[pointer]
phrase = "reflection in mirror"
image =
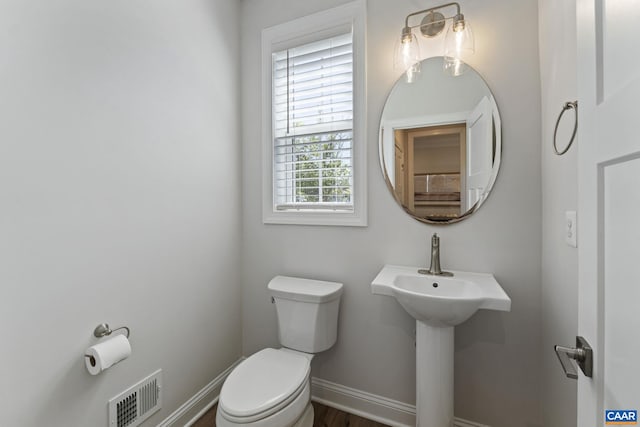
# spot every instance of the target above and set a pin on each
(440, 143)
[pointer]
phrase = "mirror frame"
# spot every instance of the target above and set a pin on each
(497, 157)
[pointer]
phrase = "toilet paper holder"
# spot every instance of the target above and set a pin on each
(103, 330)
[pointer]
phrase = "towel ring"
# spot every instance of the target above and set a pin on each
(567, 106)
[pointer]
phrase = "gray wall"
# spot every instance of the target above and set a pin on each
(118, 144)
(559, 194)
(497, 354)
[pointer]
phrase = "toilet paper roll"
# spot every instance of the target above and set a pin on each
(106, 354)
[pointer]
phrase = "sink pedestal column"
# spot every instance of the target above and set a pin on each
(434, 375)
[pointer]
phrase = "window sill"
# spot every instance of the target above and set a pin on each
(333, 218)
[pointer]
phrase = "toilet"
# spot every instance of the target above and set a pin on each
(272, 388)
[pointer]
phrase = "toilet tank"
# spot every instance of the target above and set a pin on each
(307, 312)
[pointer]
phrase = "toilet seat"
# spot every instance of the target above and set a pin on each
(264, 384)
(289, 416)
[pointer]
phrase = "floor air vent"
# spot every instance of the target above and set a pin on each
(134, 405)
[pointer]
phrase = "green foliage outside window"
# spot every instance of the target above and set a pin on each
(322, 174)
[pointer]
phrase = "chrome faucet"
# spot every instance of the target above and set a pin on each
(435, 269)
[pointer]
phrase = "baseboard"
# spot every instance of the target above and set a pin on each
(459, 422)
(200, 403)
(371, 406)
(367, 405)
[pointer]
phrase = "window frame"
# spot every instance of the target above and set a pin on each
(345, 18)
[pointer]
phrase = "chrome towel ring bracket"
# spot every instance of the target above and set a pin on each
(567, 106)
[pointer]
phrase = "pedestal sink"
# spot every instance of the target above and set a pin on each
(438, 304)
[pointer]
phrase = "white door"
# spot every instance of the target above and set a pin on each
(609, 206)
(479, 152)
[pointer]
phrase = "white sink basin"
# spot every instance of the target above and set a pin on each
(438, 303)
(437, 300)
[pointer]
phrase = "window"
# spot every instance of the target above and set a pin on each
(313, 119)
(313, 125)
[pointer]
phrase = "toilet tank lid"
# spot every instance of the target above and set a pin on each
(306, 290)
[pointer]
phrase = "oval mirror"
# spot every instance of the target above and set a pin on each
(440, 143)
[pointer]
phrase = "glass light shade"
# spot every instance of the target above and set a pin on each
(454, 66)
(412, 73)
(407, 55)
(458, 46)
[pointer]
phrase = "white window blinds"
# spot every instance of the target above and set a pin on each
(313, 126)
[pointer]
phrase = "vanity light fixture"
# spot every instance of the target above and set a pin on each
(459, 42)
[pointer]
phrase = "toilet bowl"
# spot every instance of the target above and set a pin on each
(269, 389)
(272, 388)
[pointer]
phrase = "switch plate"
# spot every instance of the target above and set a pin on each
(571, 229)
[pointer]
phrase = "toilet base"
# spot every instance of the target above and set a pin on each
(306, 420)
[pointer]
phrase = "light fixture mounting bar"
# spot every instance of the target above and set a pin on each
(431, 10)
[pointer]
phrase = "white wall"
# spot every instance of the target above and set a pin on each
(497, 354)
(557, 20)
(119, 172)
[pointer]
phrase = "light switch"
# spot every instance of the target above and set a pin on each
(571, 229)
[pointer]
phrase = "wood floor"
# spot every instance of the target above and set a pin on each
(324, 416)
